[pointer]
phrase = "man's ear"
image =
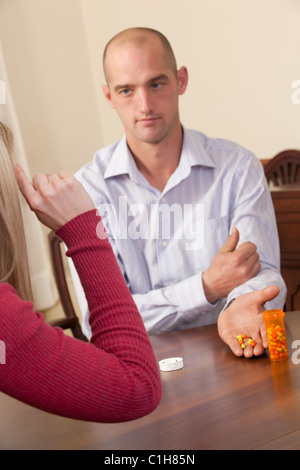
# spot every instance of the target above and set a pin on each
(183, 78)
(107, 95)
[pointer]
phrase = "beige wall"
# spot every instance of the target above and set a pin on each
(242, 57)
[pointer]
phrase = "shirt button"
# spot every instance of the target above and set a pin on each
(164, 244)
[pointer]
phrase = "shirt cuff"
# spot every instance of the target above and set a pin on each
(190, 295)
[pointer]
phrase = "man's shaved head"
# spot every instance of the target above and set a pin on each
(139, 37)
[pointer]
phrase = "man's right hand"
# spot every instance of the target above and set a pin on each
(230, 268)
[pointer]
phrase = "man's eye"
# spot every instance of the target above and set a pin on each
(126, 91)
(157, 85)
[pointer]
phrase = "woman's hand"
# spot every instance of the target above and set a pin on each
(55, 199)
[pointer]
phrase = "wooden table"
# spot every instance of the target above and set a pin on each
(217, 401)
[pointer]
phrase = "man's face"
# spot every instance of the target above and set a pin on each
(144, 90)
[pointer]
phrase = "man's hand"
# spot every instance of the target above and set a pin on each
(245, 316)
(55, 199)
(230, 268)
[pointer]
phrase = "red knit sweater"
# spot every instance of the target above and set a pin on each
(111, 379)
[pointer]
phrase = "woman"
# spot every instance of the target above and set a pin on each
(115, 377)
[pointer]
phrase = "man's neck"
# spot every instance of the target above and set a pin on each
(157, 162)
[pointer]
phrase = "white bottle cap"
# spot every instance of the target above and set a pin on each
(171, 363)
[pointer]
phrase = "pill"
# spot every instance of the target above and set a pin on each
(250, 341)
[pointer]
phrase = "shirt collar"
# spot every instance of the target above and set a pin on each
(193, 153)
(194, 149)
(121, 162)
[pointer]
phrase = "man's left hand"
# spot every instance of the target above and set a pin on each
(245, 316)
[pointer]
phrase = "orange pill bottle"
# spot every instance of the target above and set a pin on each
(274, 321)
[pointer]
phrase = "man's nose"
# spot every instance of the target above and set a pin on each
(145, 102)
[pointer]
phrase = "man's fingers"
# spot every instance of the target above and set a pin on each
(252, 265)
(266, 294)
(259, 348)
(246, 259)
(248, 351)
(245, 251)
(231, 242)
(235, 347)
(263, 335)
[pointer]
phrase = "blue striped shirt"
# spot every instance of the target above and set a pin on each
(164, 241)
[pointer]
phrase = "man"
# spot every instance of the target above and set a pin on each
(190, 218)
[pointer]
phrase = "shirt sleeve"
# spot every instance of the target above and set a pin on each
(182, 302)
(253, 214)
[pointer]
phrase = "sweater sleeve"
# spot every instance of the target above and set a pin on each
(113, 378)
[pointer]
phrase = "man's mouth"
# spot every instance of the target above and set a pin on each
(148, 120)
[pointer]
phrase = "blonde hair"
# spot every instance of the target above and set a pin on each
(13, 253)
